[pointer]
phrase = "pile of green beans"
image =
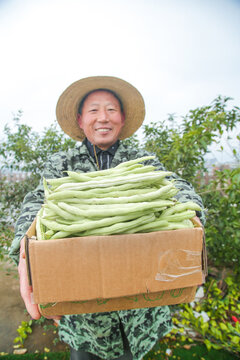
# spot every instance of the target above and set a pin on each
(130, 198)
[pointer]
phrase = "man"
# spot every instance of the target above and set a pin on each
(100, 111)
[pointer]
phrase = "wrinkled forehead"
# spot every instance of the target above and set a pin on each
(97, 90)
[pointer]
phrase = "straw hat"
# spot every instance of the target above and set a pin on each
(68, 103)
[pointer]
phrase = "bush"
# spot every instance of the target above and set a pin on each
(25, 150)
(181, 146)
(11, 197)
(214, 320)
(222, 198)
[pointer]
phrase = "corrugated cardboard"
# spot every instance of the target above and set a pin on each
(106, 273)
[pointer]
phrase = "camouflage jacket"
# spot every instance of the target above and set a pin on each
(100, 333)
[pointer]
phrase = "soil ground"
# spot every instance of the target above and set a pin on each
(12, 313)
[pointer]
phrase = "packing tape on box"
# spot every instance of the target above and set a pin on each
(170, 265)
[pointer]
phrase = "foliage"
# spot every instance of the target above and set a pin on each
(27, 327)
(48, 325)
(12, 194)
(182, 148)
(215, 320)
(28, 151)
(6, 237)
(174, 349)
(11, 197)
(64, 355)
(132, 141)
(222, 198)
(23, 330)
(180, 352)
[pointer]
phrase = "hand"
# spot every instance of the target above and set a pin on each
(26, 289)
(197, 220)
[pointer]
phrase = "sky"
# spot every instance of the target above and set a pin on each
(179, 54)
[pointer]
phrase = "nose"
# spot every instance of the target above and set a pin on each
(103, 116)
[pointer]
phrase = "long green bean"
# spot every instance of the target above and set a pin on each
(189, 205)
(132, 197)
(150, 177)
(105, 210)
(117, 192)
(135, 161)
(84, 177)
(84, 225)
(120, 227)
(59, 211)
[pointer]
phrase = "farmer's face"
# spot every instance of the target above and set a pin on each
(101, 119)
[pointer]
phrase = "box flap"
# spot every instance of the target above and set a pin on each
(167, 297)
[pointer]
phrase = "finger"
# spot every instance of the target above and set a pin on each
(197, 220)
(22, 249)
(26, 291)
(32, 309)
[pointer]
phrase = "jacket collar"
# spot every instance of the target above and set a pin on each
(112, 150)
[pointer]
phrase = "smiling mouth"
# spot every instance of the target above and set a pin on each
(103, 130)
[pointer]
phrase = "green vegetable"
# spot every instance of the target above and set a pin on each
(129, 198)
(90, 211)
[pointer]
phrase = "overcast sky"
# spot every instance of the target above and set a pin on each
(179, 54)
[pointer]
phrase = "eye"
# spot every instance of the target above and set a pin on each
(93, 110)
(111, 109)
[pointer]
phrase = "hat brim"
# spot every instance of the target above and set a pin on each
(68, 103)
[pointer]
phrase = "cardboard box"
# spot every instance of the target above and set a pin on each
(117, 272)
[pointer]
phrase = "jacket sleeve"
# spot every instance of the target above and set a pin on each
(33, 201)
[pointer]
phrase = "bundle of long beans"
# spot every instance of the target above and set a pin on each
(129, 198)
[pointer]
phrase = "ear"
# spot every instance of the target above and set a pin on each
(79, 120)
